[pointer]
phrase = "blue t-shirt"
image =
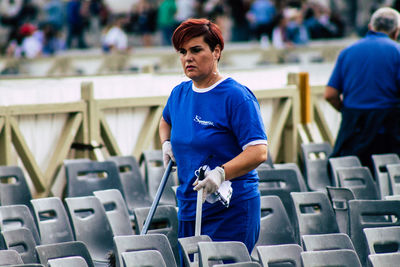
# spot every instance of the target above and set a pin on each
(367, 73)
(212, 126)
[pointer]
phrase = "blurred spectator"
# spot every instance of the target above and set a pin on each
(76, 16)
(27, 44)
(54, 14)
(295, 30)
(320, 24)
(115, 39)
(279, 34)
(240, 28)
(145, 17)
(51, 40)
(166, 20)
(185, 9)
(262, 15)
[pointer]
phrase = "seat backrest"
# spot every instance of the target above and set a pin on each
(153, 172)
(85, 177)
(359, 180)
(295, 167)
(189, 247)
(165, 221)
(150, 258)
(13, 187)
(239, 264)
(342, 162)
(369, 214)
(226, 250)
(339, 197)
(22, 241)
(385, 259)
(383, 239)
(63, 250)
(275, 226)
(394, 177)
(133, 185)
(379, 162)
(327, 242)
(116, 211)
(16, 216)
(159, 242)
(288, 253)
(8, 257)
(315, 160)
(88, 211)
(314, 213)
(280, 183)
(52, 220)
(74, 261)
(340, 257)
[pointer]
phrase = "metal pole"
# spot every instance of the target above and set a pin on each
(157, 198)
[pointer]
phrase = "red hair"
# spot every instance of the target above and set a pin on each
(193, 28)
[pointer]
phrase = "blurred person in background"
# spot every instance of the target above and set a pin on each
(76, 13)
(364, 87)
(166, 20)
(144, 16)
(115, 39)
(27, 44)
(240, 25)
(262, 15)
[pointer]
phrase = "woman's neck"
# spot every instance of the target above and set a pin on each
(209, 81)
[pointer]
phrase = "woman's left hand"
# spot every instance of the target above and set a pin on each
(213, 179)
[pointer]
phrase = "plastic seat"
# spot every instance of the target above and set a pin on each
(85, 177)
(341, 257)
(130, 243)
(327, 242)
(116, 211)
(165, 221)
(22, 241)
(394, 177)
(340, 197)
(17, 216)
(189, 248)
(342, 162)
(150, 258)
(379, 162)
(16, 190)
(218, 251)
(384, 260)
(63, 250)
(280, 255)
(90, 225)
(8, 257)
(383, 239)
(315, 160)
(280, 183)
(369, 214)
(314, 213)
(275, 228)
(133, 186)
(52, 220)
(359, 180)
(27, 265)
(239, 264)
(74, 261)
(153, 172)
(393, 197)
(295, 167)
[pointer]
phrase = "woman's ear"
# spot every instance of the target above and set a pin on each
(217, 52)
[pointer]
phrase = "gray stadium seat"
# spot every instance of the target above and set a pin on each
(342, 162)
(394, 177)
(359, 180)
(227, 250)
(327, 242)
(340, 257)
(22, 241)
(149, 258)
(340, 197)
(384, 260)
(189, 248)
(73, 261)
(383, 239)
(381, 173)
(278, 255)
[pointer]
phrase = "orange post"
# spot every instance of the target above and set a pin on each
(305, 98)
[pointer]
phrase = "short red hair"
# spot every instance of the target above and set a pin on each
(193, 28)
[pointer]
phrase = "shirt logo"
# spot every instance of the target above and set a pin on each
(202, 122)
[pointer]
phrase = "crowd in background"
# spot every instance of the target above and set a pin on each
(44, 29)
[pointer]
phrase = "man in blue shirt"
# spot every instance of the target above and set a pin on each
(365, 88)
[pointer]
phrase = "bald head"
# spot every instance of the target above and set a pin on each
(386, 20)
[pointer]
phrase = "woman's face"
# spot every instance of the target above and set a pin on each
(198, 61)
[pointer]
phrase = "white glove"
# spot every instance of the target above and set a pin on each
(212, 181)
(167, 153)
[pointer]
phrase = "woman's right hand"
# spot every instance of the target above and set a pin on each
(167, 153)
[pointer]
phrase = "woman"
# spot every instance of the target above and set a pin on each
(213, 121)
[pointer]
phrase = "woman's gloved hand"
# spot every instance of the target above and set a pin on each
(167, 153)
(211, 182)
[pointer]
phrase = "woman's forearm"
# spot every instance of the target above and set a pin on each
(164, 130)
